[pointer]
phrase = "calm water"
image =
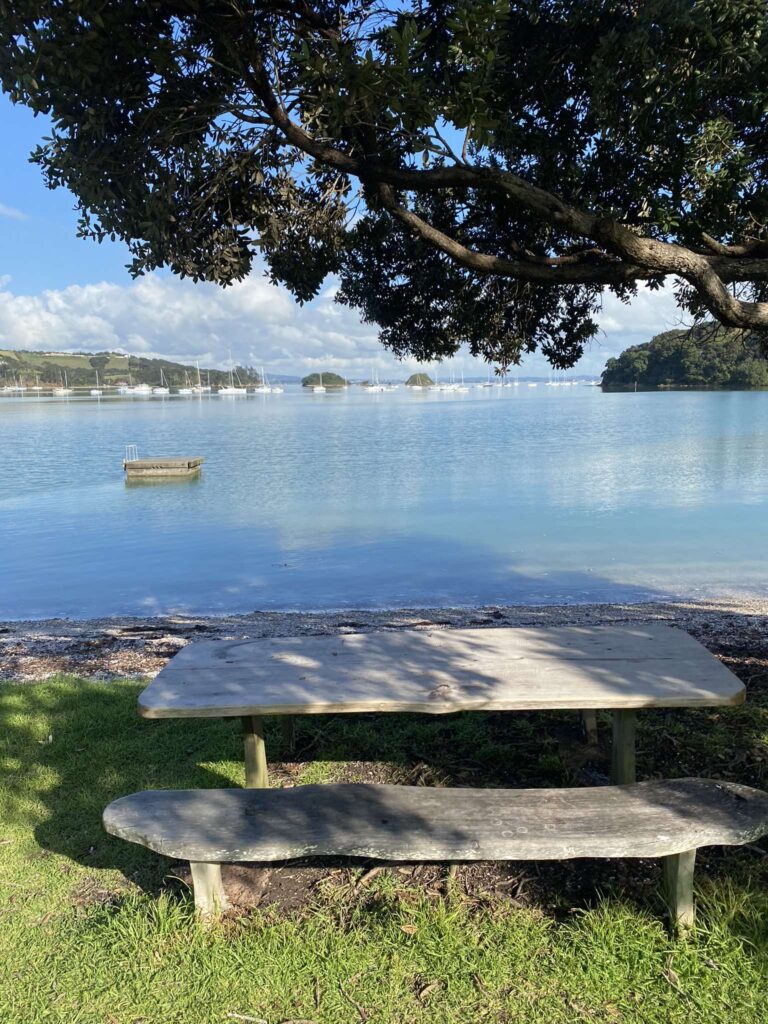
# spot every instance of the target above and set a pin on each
(354, 500)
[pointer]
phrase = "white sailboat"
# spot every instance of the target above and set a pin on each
(373, 385)
(162, 388)
(231, 391)
(265, 388)
(199, 388)
(97, 392)
(462, 386)
(319, 389)
(64, 389)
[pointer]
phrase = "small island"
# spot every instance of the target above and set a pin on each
(706, 356)
(326, 380)
(419, 380)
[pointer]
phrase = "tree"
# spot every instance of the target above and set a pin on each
(419, 380)
(476, 171)
(751, 373)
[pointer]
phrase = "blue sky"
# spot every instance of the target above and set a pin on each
(39, 249)
(61, 292)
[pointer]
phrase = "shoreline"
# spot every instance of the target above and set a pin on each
(119, 646)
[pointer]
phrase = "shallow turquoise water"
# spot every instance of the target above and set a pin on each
(354, 500)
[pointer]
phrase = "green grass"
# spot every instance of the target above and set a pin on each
(93, 929)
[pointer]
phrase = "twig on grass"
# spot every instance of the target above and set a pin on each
(365, 878)
(363, 1013)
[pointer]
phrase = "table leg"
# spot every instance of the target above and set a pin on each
(288, 725)
(623, 752)
(256, 776)
(589, 724)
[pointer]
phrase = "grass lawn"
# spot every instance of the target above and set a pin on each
(93, 929)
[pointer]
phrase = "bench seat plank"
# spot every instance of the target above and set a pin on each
(442, 671)
(417, 823)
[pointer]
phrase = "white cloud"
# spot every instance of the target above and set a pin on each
(260, 323)
(621, 325)
(12, 212)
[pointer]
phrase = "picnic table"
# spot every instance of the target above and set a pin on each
(620, 669)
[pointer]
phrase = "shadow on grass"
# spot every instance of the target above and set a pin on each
(74, 746)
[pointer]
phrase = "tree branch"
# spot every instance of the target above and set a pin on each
(541, 271)
(638, 256)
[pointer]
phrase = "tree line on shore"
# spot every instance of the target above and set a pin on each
(705, 356)
(81, 368)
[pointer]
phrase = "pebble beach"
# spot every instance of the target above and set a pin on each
(110, 648)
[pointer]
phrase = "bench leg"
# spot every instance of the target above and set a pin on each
(623, 753)
(678, 886)
(589, 724)
(288, 726)
(210, 898)
(256, 776)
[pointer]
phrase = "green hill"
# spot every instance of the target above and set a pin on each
(706, 356)
(48, 368)
(419, 380)
(329, 380)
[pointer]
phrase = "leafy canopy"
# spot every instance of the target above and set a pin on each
(475, 171)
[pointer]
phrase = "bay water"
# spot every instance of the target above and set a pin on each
(402, 499)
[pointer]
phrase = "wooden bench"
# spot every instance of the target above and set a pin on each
(668, 819)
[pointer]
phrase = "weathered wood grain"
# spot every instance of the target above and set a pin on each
(647, 819)
(443, 671)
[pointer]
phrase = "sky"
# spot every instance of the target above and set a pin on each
(64, 293)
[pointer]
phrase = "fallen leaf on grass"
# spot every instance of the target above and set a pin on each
(423, 993)
(409, 929)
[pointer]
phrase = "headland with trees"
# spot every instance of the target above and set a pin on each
(705, 356)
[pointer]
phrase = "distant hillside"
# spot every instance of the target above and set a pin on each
(329, 380)
(707, 356)
(113, 367)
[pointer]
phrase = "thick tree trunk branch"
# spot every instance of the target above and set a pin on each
(539, 271)
(695, 268)
(636, 257)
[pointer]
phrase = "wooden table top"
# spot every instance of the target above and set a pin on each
(443, 671)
